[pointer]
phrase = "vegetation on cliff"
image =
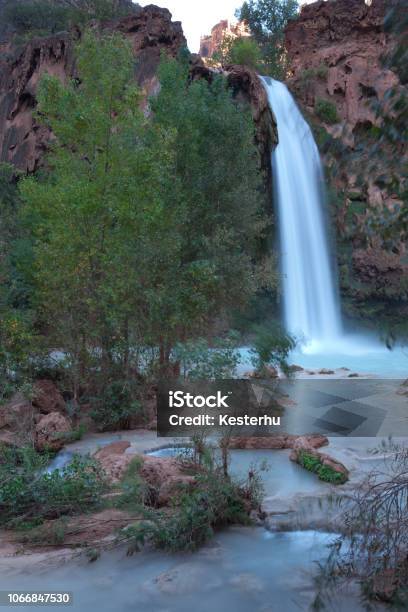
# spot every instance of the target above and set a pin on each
(27, 18)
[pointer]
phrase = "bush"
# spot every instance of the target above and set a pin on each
(135, 492)
(373, 550)
(271, 346)
(326, 111)
(245, 52)
(199, 361)
(214, 502)
(28, 495)
(324, 472)
(37, 17)
(115, 406)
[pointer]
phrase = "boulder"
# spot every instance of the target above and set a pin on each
(17, 414)
(113, 459)
(310, 441)
(47, 397)
(164, 475)
(50, 432)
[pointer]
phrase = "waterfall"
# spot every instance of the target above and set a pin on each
(310, 295)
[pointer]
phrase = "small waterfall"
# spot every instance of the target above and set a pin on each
(311, 304)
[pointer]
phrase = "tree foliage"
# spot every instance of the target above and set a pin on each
(242, 51)
(267, 20)
(142, 236)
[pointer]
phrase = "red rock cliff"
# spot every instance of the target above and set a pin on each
(22, 140)
(335, 50)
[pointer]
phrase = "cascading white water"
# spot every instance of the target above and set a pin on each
(311, 304)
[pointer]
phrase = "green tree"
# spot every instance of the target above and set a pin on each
(220, 185)
(142, 234)
(243, 51)
(94, 216)
(15, 316)
(267, 20)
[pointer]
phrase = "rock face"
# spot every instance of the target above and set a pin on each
(349, 79)
(247, 86)
(22, 141)
(151, 31)
(224, 28)
(50, 430)
(18, 411)
(335, 51)
(47, 397)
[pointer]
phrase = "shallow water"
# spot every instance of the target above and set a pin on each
(374, 359)
(242, 569)
(280, 476)
(62, 459)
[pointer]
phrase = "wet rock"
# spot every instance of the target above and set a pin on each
(380, 268)
(267, 372)
(246, 86)
(47, 397)
(51, 432)
(310, 441)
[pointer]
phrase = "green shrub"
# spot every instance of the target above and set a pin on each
(245, 52)
(115, 406)
(214, 502)
(198, 360)
(271, 346)
(28, 495)
(324, 472)
(326, 111)
(38, 17)
(135, 492)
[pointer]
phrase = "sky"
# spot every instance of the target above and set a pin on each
(198, 17)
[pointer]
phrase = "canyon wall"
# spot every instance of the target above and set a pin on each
(348, 75)
(22, 140)
(151, 31)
